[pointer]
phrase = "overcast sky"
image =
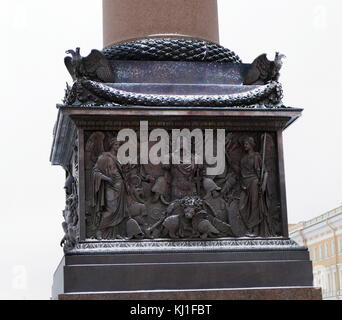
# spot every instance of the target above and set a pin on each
(34, 36)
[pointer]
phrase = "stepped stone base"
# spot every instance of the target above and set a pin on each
(290, 293)
(263, 271)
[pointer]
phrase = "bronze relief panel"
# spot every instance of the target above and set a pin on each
(181, 201)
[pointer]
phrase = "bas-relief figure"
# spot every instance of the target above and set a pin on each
(108, 194)
(70, 224)
(156, 182)
(179, 200)
(189, 218)
(253, 204)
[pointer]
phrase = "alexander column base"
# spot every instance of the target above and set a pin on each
(266, 269)
(206, 246)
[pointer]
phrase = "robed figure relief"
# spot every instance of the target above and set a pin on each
(133, 201)
(186, 176)
(253, 204)
(109, 194)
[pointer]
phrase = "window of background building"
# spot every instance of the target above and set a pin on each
(316, 253)
(333, 247)
(340, 245)
(329, 285)
(321, 251)
(327, 254)
(324, 285)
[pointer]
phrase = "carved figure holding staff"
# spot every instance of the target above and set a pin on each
(253, 204)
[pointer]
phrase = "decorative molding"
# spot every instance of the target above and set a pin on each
(161, 245)
(96, 93)
(170, 123)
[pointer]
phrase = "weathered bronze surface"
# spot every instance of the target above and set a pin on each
(146, 226)
(93, 74)
(180, 201)
(94, 66)
(171, 49)
(262, 70)
(175, 201)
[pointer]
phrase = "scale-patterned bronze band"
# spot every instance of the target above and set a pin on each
(170, 50)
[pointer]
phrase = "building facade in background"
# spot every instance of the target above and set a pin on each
(323, 237)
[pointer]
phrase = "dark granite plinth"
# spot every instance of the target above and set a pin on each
(178, 271)
(294, 293)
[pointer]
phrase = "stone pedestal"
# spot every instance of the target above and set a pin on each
(187, 268)
(173, 230)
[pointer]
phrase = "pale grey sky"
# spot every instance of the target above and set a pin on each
(34, 36)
